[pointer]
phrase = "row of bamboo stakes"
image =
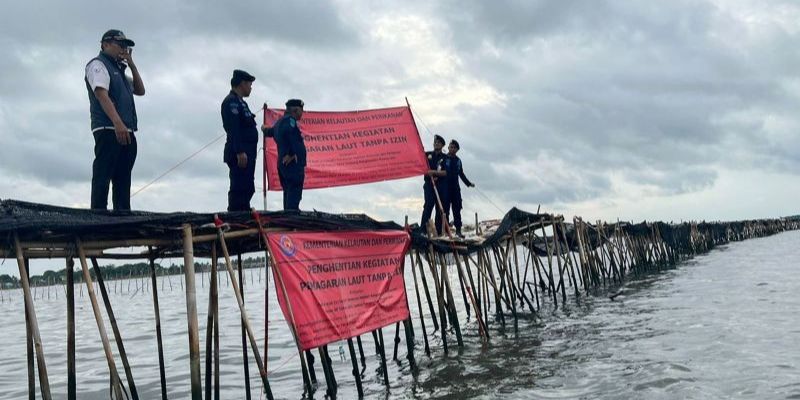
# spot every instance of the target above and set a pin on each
(505, 280)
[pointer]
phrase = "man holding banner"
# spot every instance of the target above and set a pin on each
(291, 154)
(344, 148)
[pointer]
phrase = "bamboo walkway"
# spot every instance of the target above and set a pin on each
(528, 264)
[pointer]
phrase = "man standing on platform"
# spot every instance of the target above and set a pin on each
(436, 175)
(455, 170)
(241, 143)
(113, 119)
(291, 154)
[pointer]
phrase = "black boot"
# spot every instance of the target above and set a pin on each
(458, 232)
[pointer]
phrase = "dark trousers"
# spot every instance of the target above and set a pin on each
(112, 166)
(292, 179)
(242, 183)
(454, 206)
(430, 206)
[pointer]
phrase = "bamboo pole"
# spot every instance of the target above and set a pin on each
(244, 333)
(216, 330)
(427, 292)
(356, 374)
(212, 297)
(29, 340)
(474, 293)
(550, 267)
(361, 353)
(71, 381)
(243, 312)
(377, 335)
(115, 329)
(330, 378)
(451, 303)
(568, 262)
(157, 315)
(191, 314)
(116, 385)
(419, 308)
(439, 299)
(311, 372)
(396, 340)
(504, 287)
(470, 292)
(292, 323)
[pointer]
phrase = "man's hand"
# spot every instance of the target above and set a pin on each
(287, 159)
(123, 136)
(267, 130)
(241, 160)
(471, 185)
(127, 57)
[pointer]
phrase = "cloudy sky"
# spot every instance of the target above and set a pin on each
(604, 109)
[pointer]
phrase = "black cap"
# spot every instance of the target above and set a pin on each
(117, 36)
(294, 103)
(239, 76)
(455, 143)
(437, 138)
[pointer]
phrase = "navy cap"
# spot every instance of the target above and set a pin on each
(294, 103)
(117, 36)
(239, 76)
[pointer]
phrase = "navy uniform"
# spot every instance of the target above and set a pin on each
(289, 140)
(435, 162)
(242, 137)
(455, 171)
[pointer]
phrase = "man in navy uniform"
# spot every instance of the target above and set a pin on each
(455, 170)
(113, 119)
(241, 143)
(436, 175)
(291, 154)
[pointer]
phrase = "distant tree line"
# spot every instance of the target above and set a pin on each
(123, 271)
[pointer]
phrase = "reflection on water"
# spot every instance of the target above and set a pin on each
(723, 325)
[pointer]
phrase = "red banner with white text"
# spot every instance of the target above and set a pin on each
(352, 147)
(337, 285)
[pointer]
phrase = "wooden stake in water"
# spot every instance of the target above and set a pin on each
(71, 382)
(212, 298)
(244, 334)
(29, 340)
(116, 385)
(356, 373)
(243, 312)
(419, 308)
(191, 313)
(33, 324)
(117, 335)
(161, 367)
(292, 323)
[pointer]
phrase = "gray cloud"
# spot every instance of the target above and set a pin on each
(554, 103)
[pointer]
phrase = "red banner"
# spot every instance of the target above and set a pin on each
(352, 147)
(339, 284)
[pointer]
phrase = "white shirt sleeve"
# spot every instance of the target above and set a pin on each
(97, 75)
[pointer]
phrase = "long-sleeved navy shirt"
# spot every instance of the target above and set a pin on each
(436, 163)
(240, 127)
(290, 142)
(455, 170)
